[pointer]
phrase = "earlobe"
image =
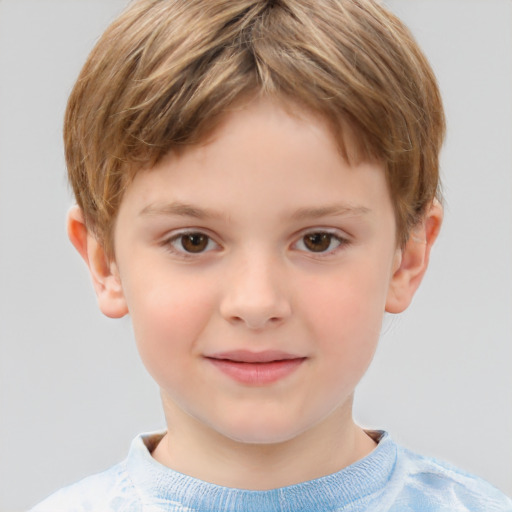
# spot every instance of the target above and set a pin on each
(412, 260)
(104, 272)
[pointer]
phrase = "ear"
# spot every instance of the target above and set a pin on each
(104, 272)
(412, 260)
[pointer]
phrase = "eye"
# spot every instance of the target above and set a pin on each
(320, 242)
(191, 243)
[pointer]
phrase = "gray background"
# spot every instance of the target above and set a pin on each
(72, 391)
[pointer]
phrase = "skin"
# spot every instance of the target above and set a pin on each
(296, 252)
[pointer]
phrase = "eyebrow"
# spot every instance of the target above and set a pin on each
(180, 210)
(188, 210)
(334, 210)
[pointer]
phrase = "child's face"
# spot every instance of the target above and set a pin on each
(256, 269)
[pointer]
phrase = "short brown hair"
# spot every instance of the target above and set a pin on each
(165, 71)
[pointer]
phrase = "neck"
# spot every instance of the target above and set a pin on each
(195, 450)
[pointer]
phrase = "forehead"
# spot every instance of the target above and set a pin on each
(261, 153)
(254, 109)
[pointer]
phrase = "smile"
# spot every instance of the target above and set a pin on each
(256, 368)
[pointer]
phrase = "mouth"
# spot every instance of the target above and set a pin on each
(256, 368)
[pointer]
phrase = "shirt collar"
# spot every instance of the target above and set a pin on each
(158, 484)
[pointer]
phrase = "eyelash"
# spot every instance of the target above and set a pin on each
(178, 238)
(332, 236)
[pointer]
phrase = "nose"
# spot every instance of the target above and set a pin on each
(255, 294)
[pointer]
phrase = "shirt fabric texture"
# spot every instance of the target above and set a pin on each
(390, 479)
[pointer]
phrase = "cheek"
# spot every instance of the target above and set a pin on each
(345, 314)
(351, 300)
(168, 318)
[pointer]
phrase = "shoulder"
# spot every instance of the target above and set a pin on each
(435, 485)
(109, 491)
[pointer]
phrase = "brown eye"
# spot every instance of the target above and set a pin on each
(318, 242)
(194, 242)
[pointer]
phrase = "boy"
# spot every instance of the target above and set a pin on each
(256, 185)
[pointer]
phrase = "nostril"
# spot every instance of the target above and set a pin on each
(256, 322)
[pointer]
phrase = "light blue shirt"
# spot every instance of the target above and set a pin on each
(390, 479)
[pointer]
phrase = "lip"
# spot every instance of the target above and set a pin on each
(256, 368)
